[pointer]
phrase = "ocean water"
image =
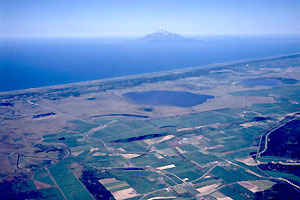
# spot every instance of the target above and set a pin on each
(29, 63)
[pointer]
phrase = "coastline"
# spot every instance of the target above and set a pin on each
(152, 74)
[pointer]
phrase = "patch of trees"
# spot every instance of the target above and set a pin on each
(48, 148)
(278, 191)
(10, 191)
(285, 141)
(6, 104)
(291, 169)
(44, 115)
(143, 137)
(90, 179)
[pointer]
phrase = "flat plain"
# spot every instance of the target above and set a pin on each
(90, 140)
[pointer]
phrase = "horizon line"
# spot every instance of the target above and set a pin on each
(140, 35)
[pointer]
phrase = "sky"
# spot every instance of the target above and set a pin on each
(97, 18)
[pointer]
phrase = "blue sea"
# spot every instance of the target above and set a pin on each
(30, 63)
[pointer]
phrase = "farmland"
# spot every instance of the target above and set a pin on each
(89, 141)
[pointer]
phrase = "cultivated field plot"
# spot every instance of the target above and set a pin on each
(89, 141)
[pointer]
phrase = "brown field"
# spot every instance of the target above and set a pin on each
(130, 155)
(40, 185)
(215, 147)
(207, 189)
(248, 161)
(107, 180)
(166, 167)
(125, 194)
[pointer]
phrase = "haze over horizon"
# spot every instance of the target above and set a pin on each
(55, 18)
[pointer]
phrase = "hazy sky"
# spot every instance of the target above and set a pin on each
(72, 18)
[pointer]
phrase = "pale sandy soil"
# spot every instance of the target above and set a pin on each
(107, 180)
(166, 167)
(248, 161)
(180, 150)
(224, 198)
(130, 155)
(94, 149)
(215, 147)
(207, 189)
(246, 125)
(154, 198)
(158, 140)
(77, 153)
(248, 185)
(184, 129)
(257, 185)
(158, 156)
(124, 194)
(41, 185)
(99, 154)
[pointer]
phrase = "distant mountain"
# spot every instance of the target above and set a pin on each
(163, 35)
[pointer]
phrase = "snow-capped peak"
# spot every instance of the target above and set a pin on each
(164, 32)
(163, 35)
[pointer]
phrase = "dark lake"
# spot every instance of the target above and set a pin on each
(169, 98)
(260, 82)
(268, 81)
